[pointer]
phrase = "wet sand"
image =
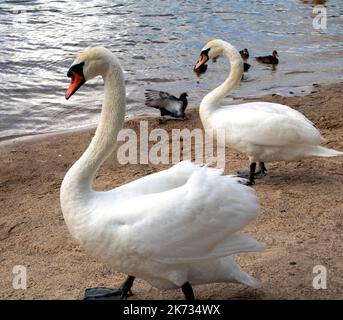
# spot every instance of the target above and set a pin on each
(300, 223)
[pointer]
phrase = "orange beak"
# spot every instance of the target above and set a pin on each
(203, 59)
(75, 83)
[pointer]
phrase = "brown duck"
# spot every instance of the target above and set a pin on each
(269, 59)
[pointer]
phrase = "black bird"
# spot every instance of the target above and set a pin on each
(246, 66)
(168, 104)
(269, 59)
(201, 69)
(244, 53)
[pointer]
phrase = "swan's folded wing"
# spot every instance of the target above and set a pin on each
(192, 222)
(267, 124)
(164, 180)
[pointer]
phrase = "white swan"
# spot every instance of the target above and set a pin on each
(264, 131)
(173, 228)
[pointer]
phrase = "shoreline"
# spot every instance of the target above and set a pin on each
(300, 220)
(298, 91)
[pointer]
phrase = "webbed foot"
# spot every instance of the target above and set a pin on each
(107, 294)
(101, 293)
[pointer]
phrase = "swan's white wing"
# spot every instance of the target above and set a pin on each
(268, 124)
(274, 108)
(192, 222)
(171, 178)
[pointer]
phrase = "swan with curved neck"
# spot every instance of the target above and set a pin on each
(174, 228)
(264, 131)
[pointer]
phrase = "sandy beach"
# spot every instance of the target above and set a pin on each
(300, 222)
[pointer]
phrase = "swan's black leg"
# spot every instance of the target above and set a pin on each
(121, 293)
(261, 172)
(188, 291)
(250, 175)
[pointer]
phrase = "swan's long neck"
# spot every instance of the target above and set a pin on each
(212, 100)
(77, 184)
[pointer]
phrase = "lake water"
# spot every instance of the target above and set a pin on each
(157, 43)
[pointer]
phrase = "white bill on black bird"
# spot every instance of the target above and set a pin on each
(168, 104)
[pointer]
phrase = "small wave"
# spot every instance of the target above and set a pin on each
(299, 72)
(138, 57)
(158, 15)
(157, 80)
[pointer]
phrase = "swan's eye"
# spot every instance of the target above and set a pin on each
(77, 68)
(205, 52)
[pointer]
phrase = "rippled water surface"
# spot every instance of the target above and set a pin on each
(158, 43)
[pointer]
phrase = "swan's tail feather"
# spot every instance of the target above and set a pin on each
(235, 273)
(249, 281)
(237, 243)
(225, 269)
(319, 151)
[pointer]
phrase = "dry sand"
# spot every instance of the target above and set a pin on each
(301, 219)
